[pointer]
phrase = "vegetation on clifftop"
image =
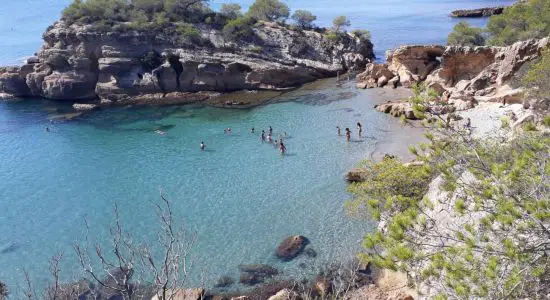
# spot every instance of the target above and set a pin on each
(522, 21)
(183, 17)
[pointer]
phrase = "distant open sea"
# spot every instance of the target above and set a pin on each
(391, 22)
(240, 196)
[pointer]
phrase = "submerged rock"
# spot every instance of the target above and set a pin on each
(255, 274)
(291, 247)
(224, 281)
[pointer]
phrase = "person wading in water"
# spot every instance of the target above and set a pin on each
(348, 134)
(282, 147)
(359, 128)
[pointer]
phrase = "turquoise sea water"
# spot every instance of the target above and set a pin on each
(240, 196)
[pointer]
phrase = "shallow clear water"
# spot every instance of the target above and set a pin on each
(391, 22)
(240, 195)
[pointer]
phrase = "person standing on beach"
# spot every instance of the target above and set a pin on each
(359, 128)
(348, 134)
(338, 129)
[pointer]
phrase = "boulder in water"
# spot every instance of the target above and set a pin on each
(291, 247)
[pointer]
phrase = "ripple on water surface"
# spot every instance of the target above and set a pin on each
(241, 197)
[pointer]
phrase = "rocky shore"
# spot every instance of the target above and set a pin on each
(463, 77)
(82, 64)
(478, 12)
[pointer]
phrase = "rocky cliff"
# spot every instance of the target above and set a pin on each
(461, 75)
(78, 62)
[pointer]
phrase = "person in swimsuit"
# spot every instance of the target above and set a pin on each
(282, 147)
(269, 138)
(252, 130)
(338, 129)
(203, 146)
(263, 136)
(359, 128)
(270, 130)
(348, 134)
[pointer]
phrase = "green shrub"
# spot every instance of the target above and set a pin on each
(465, 35)
(340, 22)
(529, 126)
(239, 29)
(188, 33)
(333, 36)
(269, 10)
(530, 19)
(304, 18)
(362, 34)
(546, 120)
(537, 77)
(231, 10)
(151, 60)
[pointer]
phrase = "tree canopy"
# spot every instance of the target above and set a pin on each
(340, 22)
(269, 10)
(304, 18)
(231, 10)
(465, 35)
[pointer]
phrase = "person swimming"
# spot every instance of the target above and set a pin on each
(359, 128)
(282, 147)
(348, 134)
(338, 129)
(252, 130)
(203, 146)
(47, 129)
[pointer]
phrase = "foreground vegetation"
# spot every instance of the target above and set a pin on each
(470, 219)
(519, 22)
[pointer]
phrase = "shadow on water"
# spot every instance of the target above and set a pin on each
(9, 248)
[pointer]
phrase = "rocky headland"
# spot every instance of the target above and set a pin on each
(478, 12)
(82, 63)
(463, 77)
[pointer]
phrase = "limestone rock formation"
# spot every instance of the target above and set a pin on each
(463, 76)
(78, 62)
(478, 12)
